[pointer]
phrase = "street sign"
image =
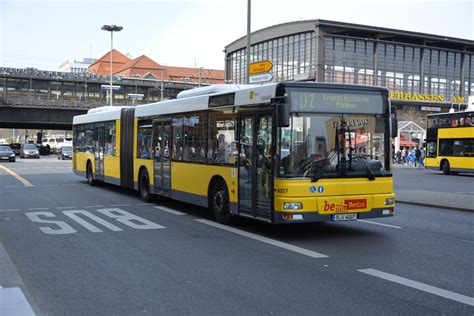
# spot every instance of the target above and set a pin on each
(107, 87)
(260, 78)
(260, 67)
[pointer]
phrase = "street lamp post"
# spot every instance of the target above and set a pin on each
(111, 29)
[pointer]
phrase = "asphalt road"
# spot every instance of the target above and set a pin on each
(101, 251)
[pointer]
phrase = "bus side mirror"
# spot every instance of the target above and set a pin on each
(283, 111)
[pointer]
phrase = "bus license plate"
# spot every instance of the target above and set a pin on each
(344, 217)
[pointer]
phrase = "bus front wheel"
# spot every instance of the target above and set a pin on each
(446, 169)
(144, 186)
(219, 203)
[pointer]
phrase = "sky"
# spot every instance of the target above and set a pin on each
(193, 33)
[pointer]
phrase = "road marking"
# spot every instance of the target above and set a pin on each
(25, 182)
(266, 240)
(50, 185)
(12, 186)
(10, 210)
(74, 216)
(375, 223)
(120, 205)
(165, 209)
(14, 302)
(93, 206)
(144, 204)
(420, 286)
(38, 209)
(65, 207)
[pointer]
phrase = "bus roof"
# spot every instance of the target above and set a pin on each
(218, 96)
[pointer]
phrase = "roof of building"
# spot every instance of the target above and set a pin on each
(140, 67)
(354, 30)
(102, 65)
(145, 67)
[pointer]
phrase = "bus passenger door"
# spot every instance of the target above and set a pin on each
(99, 152)
(161, 141)
(256, 165)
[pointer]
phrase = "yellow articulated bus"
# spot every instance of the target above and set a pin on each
(280, 153)
(450, 142)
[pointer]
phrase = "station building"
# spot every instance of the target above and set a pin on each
(425, 73)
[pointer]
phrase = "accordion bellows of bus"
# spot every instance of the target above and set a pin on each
(280, 153)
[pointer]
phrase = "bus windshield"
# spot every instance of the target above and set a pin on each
(334, 146)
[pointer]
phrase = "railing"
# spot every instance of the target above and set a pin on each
(57, 104)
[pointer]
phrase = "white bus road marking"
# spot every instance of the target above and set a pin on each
(57, 227)
(25, 182)
(380, 224)
(169, 210)
(266, 240)
(73, 215)
(420, 286)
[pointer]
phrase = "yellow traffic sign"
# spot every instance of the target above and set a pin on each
(260, 67)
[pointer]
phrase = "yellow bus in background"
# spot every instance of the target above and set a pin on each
(450, 142)
(280, 153)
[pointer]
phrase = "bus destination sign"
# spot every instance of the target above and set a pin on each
(326, 100)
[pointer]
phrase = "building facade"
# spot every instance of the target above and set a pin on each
(425, 73)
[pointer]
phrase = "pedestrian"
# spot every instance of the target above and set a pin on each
(417, 156)
(404, 155)
(422, 158)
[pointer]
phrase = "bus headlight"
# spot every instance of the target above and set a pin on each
(389, 201)
(292, 206)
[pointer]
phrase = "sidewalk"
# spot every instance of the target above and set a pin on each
(462, 202)
(432, 188)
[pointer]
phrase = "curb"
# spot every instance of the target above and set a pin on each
(435, 206)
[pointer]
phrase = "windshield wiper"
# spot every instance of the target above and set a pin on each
(321, 170)
(357, 155)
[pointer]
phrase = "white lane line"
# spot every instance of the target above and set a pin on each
(171, 211)
(10, 210)
(12, 186)
(119, 205)
(92, 206)
(38, 209)
(14, 302)
(266, 240)
(65, 207)
(420, 286)
(380, 224)
(144, 204)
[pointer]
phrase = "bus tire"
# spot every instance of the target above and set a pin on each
(90, 175)
(219, 203)
(144, 186)
(446, 168)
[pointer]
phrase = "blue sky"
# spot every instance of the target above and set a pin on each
(191, 33)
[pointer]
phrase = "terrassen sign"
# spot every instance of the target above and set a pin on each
(424, 97)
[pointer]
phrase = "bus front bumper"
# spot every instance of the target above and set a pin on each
(308, 217)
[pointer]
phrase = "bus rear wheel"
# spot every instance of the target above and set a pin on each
(144, 186)
(446, 168)
(219, 203)
(90, 175)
